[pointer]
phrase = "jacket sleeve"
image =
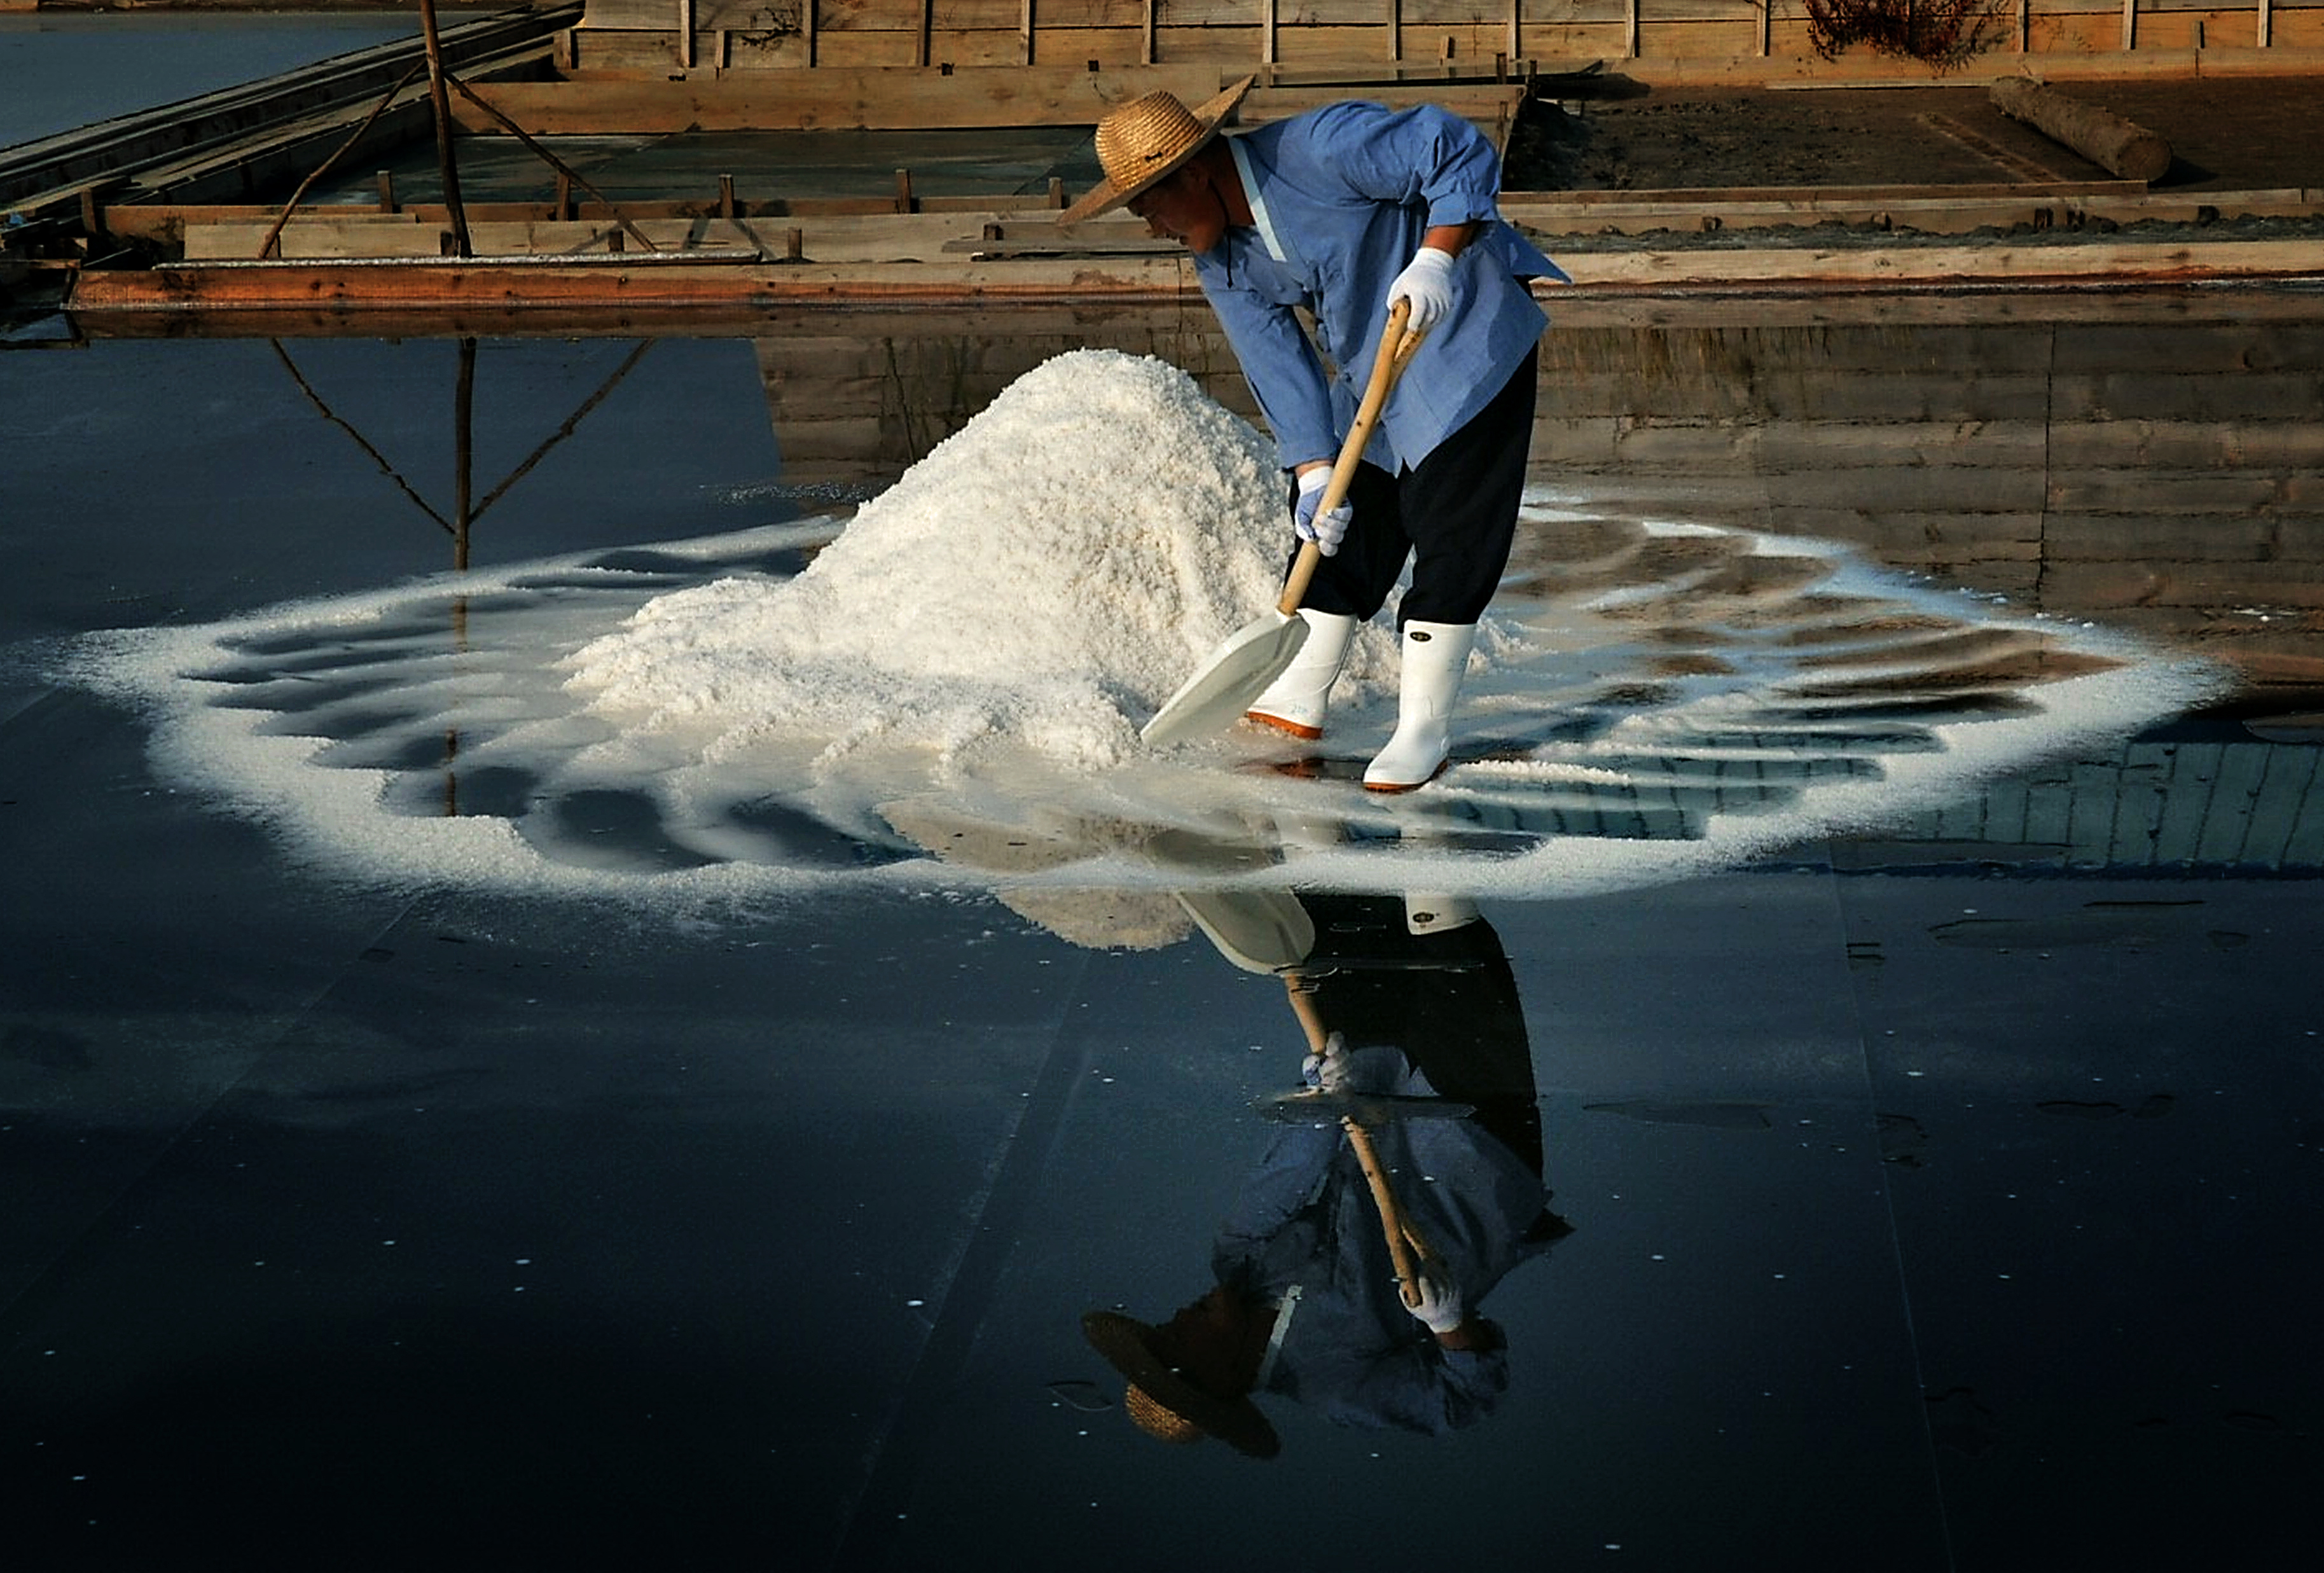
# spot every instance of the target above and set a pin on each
(1284, 374)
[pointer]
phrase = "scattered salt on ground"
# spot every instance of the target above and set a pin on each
(962, 668)
(1049, 574)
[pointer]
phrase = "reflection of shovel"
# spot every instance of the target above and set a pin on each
(1315, 1106)
(1406, 1248)
(1254, 655)
(1258, 931)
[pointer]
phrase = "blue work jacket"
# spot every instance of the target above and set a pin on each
(1340, 198)
(1305, 1235)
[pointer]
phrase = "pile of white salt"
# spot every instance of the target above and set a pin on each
(1047, 576)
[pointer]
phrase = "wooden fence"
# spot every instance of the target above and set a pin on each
(1467, 35)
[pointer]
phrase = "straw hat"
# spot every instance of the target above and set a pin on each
(1143, 141)
(1163, 1403)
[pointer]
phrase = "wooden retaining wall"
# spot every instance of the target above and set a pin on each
(2163, 471)
(2158, 465)
(1297, 34)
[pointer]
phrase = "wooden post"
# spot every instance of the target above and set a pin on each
(564, 198)
(926, 29)
(1025, 28)
(794, 245)
(1516, 30)
(387, 191)
(725, 196)
(1266, 32)
(1630, 30)
(1767, 26)
(1396, 29)
(1147, 50)
(2025, 26)
(2129, 24)
(461, 245)
(685, 33)
(2263, 24)
(903, 191)
(806, 27)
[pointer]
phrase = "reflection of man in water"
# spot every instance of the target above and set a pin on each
(1307, 1303)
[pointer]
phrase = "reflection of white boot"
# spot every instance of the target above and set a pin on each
(1436, 660)
(1295, 702)
(1437, 914)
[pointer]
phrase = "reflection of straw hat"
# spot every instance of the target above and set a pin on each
(1144, 140)
(1163, 1403)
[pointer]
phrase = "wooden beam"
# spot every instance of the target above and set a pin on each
(1025, 29)
(1396, 29)
(2097, 133)
(834, 97)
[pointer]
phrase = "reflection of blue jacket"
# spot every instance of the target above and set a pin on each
(1306, 1221)
(1340, 198)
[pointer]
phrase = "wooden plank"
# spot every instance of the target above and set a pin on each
(832, 97)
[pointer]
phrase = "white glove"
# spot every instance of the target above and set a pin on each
(1427, 282)
(1325, 529)
(1328, 1070)
(1440, 1305)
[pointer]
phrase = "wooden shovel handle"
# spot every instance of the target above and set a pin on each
(1395, 353)
(1403, 1243)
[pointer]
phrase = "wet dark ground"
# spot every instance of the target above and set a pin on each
(1929, 1207)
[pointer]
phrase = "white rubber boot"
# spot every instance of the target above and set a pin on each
(1436, 660)
(1295, 702)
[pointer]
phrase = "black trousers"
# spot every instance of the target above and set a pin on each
(1454, 515)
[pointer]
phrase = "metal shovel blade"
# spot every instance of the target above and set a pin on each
(1259, 930)
(1234, 674)
(1315, 1106)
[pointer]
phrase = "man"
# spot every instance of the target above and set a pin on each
(1340, 213)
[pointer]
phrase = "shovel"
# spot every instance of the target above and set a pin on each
(1254, 655)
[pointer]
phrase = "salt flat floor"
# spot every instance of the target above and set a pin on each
(1930, 1207)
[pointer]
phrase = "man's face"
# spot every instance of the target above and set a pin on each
(1185, 207)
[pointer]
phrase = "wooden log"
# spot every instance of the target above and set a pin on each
(2098, 134)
